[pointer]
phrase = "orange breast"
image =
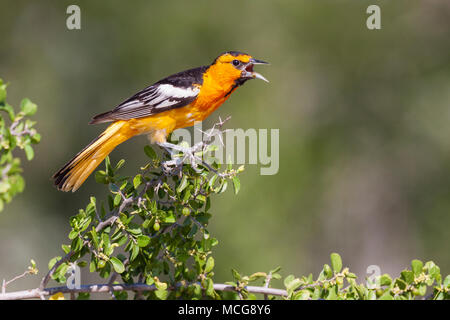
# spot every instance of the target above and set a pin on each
(210, 97)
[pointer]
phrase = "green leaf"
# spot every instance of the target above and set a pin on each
(161, 285)
(422, 289)
(302, 295)
(137, 181)
(4, 186)
(77, 244)
(447, 282)
(8, 109)
(385, 280)
(105, 239)
(327, 271)
(209, 287)
(119, 164)
(65, 248)
(235, 274)
(117, 264)
(60, 271)
(28, 107)
(170, 218)
(134, 252)
(183, 184)
(332, 293)
(201, 198)
(123, 185)
(117, 199)
(209, 265)
(92, 266)
(407, 276)
(187, 195)
(212, 181)
(2, 91)
(257, 275)
(53, 261)
(293, 285)
(36, 138)
(143, 241)
(108, 167)
(150, 152)
(288, 280)
(400, 283)
(161, 294)
(276, 276)
(29, 152)
(417, 266)
(434, 271)
(224, 187)
(101, 177)
(236, 184)
(336, 262)
(73, 234)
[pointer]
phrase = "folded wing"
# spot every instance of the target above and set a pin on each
(175, 91)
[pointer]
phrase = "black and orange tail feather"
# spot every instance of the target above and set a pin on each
(72, 175)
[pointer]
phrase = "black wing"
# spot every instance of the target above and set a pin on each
(175, 91)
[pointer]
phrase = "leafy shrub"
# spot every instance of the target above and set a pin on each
(16, 130)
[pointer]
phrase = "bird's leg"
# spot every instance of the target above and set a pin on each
(172, 150)
(170, 147)
(188, 154)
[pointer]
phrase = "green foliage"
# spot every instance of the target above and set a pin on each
(16, 130)
(422, 281)
(153, 230)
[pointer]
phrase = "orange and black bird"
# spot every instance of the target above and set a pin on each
(171, 103)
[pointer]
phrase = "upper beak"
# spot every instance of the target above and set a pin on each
(256, 61)
(252, 74)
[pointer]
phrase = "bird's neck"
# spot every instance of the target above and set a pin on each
(219, 79)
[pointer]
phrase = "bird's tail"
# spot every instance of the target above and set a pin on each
(72, 175)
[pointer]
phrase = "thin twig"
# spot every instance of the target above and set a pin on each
(267, 283)
(6, 283)
(138, 287)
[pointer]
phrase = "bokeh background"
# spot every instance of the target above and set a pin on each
(363, 116)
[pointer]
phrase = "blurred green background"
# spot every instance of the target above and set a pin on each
(363, 118)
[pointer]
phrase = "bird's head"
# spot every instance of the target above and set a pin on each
(237, 67)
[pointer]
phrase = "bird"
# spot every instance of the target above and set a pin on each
(174, 102)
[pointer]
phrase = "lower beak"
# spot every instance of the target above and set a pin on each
(257, 75)
(249, 73)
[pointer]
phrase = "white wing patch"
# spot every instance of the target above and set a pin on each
(160, 97)
(177, 92)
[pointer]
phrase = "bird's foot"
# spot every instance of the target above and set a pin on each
(182, 153)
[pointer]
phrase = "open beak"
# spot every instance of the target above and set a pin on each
(248, 70)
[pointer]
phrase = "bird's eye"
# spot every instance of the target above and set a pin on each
(236, 63)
